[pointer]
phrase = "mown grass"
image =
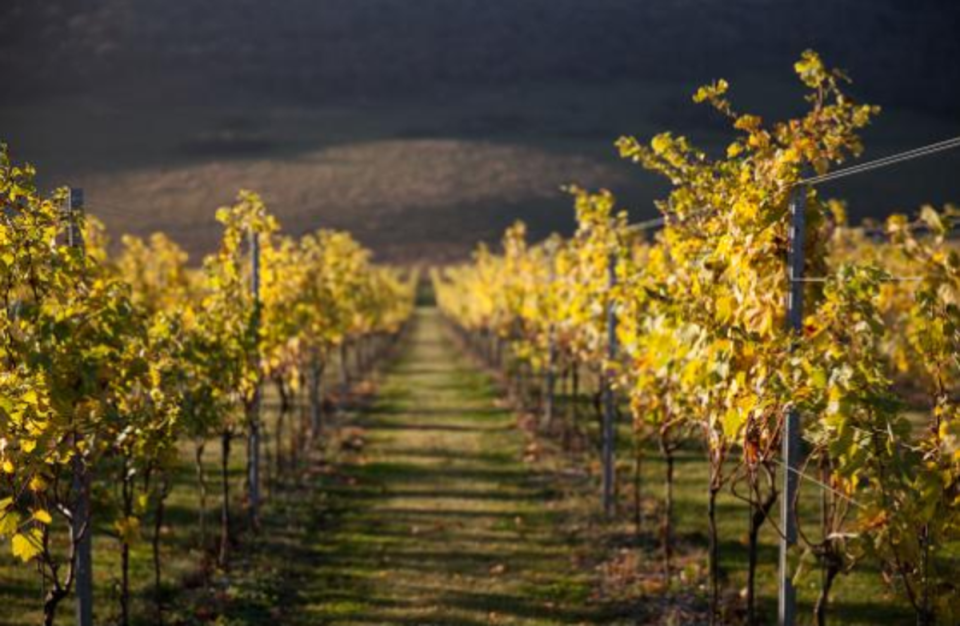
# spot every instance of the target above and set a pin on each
(859, 598)
(182, 556)
(20, 585)
(437, 520)
(432, 507)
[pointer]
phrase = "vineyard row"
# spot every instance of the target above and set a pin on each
(110, 363)
(761, 325)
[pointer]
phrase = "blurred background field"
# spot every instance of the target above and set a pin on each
(425, 126)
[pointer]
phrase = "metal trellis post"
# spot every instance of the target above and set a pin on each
(82, 521)
(787, 606)
(551, 374)
(254, 444)
(609, 405)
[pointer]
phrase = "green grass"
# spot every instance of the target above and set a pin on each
(20, 590)
(438, 518)
(859, 598)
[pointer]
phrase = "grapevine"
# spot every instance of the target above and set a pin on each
(706, 353)
(108, 362)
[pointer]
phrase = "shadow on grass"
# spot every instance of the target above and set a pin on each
(436, 521)
(364, 557)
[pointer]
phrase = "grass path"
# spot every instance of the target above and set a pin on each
(437, 520)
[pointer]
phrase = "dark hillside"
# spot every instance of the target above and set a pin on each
(128, 97)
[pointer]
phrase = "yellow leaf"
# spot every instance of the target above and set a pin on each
(661, 143)
(733, 420)
(932, 219)
(765, 327)
(7, 466)
(43, 517)
(27, 546)
(790, 155)
(749, 123)
(128, 529)
(724, 309)
(9, 520)
(810, 69)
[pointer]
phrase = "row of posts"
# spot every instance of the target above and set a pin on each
(791, 450)
(81, 478)
(791, 438)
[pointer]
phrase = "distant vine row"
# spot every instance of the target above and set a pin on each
(110, 363)
(705, 353)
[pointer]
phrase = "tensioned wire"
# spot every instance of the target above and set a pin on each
(818, 483)
(894, 159)
(902, 157)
